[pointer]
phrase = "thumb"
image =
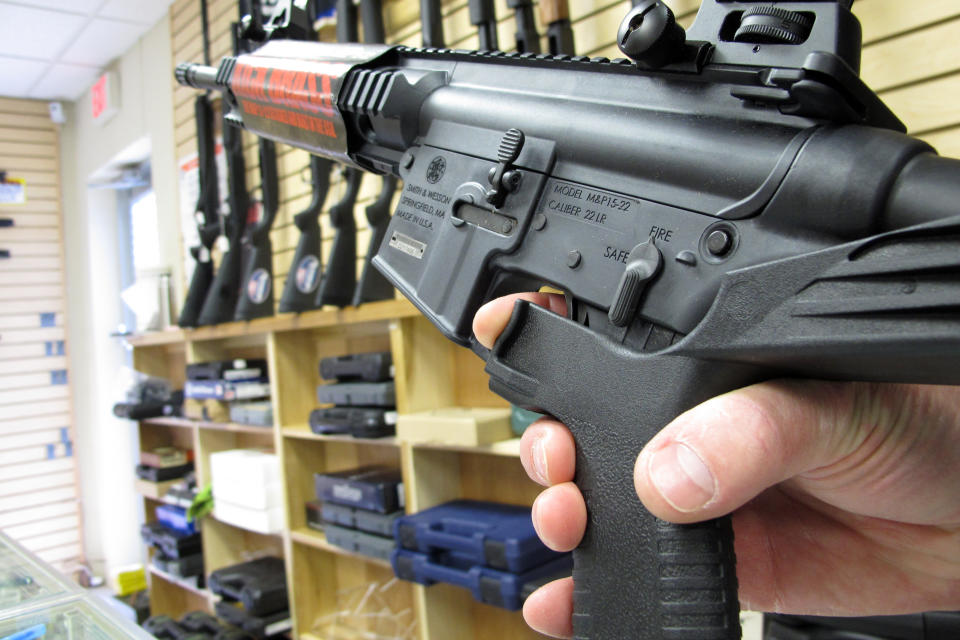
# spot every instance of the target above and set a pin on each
(721, 454)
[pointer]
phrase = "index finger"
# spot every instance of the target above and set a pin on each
(492, 317)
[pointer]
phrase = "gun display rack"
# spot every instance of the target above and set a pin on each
(430, 373)
(293, 344)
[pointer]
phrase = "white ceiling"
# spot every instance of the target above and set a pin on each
(55, 49)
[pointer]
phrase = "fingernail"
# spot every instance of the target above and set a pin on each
(535, 516)
(538, 454)
(682, 478)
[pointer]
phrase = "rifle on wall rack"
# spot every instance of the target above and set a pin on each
(207, 211)
(221, 299)
(303, 277)
(484, 18)
(372, 285)
(556, 15)
(290, 21)
(300, 288)
(340, 276)
(528, 41)
(431, 24)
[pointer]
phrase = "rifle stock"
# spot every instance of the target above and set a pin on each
(221, 299)
(300, 288)
(208, 200)
(372, 285)
(483, 17)
(528, 41)
(208, 214)
(340, 276)
(431, 23)
(556, 15)
(220, 302)
(256, 294)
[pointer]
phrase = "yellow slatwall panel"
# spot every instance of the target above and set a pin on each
(38, 481)
(909, 57)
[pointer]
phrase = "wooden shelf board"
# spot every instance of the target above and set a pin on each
(157, 338)
(155, 490)
(179, 582)
(235, 427)
(201, 424)
(370, 312)
(303, 432)
(318, 540)
(170, 421)
(508, 448)
(276, 534)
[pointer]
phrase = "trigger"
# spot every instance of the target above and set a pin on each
(575, 310)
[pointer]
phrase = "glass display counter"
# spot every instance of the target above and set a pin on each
(38, 603)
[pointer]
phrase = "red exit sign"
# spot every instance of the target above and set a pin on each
(104, 97)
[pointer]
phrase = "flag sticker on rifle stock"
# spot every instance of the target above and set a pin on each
(12, 190)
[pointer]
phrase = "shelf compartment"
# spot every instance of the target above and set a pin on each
(435, 474)
(167, 361)
(225, 545)
(325, 581)
(154, 490)
(180, 582)
(212, 440)
(301, 458)
(448, 611)
(318, 540)
(296, 356)
(173, 597)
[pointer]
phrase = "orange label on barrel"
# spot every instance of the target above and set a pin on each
(295, 97)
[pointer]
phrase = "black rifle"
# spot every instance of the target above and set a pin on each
(256, 293)
(932, 625)
(483, 17)
(431, 23)
(256, 300)
(372, 285)
(208, 200)
(221, 299)
(300, 288)
(340, 277)
(556, 15)
(528, 41)
(720, 211)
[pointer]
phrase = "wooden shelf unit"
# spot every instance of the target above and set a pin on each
(430, 373)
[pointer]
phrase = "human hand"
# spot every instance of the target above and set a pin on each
(845, 497)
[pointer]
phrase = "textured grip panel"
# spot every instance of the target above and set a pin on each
(635, 577)
(698, 582)
(639, 577)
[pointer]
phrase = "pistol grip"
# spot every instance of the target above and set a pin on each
(634, 576)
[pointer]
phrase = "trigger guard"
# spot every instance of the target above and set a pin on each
(518, 387)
